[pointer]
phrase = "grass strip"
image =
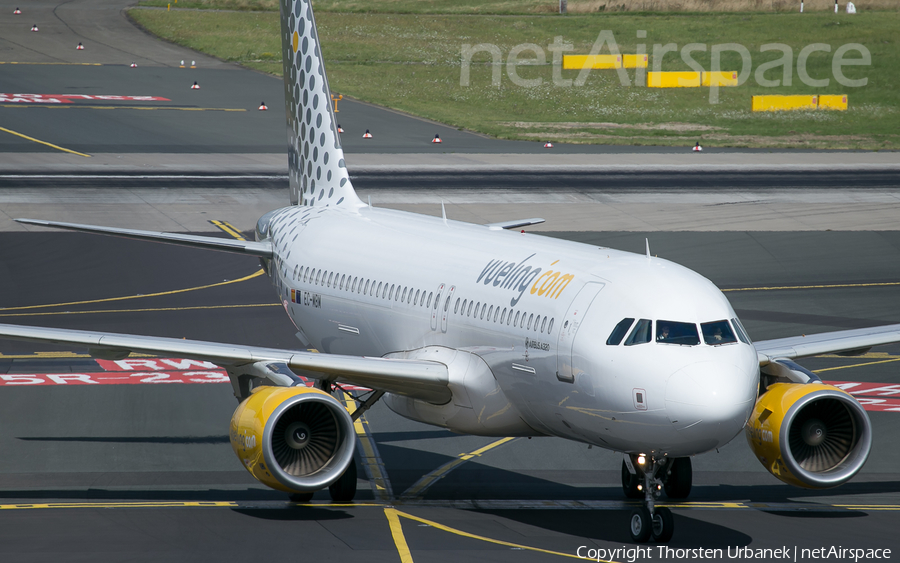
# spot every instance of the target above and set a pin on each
(411, 62)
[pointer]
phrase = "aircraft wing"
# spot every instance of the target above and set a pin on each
(418, 379)
(261, 249)
(846, 342)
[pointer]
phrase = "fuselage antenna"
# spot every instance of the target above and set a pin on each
(647, 243)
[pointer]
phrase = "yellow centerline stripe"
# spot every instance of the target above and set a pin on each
(444, 528)
(419, 487)
(381, 485)
(151, 310)
(127, 297)
(148, 504)
(82, 106)
(51, 145)
(228, 228)
(397, 534)
(857, 365)
(829, 286)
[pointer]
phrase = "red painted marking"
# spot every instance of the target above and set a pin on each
(876, 397)
(155, 364)
(67, 98)
(115, 378)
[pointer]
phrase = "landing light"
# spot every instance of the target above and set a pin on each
(641, 459)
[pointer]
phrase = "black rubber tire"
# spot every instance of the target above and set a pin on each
(663, 525)
(344, 489)
(639, 525)
(301, 498)
(679, 479)
(630, 483)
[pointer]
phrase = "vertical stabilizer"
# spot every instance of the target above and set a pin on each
(317, 171)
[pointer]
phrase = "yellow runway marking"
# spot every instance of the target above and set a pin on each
(830, 286)
(127, 297)
(150, 310)
(51, 145)
(150, 504)
(397, 534)
(419, 487)
(444, 528)
(228, 228)
(374, 466)
(59, 355)
(81, 106)
(857, 365)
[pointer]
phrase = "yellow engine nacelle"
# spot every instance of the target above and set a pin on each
(809, 435)
(293, 439)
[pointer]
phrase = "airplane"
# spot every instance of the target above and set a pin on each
(491, 331)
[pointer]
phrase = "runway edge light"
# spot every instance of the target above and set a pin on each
(437, 139)
(34, 27)
(80, 47)
(17, 11)
(340, 129)
(697, 147)
(548, 145)
(367, 135)
(262, 106)
(133, 64)
(195, 86)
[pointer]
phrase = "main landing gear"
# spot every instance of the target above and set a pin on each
(645, 478)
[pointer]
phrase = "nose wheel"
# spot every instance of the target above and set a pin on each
(648, 521)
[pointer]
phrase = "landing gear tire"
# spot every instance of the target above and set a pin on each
(678, 481)
(301, 498)
(344, 489)
(640, 526)
(630, 483)
(663, 525)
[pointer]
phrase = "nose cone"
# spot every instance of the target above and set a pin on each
(710, 401)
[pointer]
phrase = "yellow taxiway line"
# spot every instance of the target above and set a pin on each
(419, 487)
(374, 466)
(51, 145)
(828, 286)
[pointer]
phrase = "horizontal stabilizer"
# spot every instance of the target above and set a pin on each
(515, 224)
(261, 249)
(418, 379)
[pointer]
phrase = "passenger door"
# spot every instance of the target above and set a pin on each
(569, 328)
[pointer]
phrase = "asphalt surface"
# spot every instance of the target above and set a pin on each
(136, 459)
(145, 473)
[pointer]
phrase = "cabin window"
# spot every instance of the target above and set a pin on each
(490, 312)
(447, 303)
(550, 328)
(366, 291)
(404, 295)
(641, 333)
(496, 314)
(456, 307)
(295, 271)
(674, 332)
(391, 294)
(503, 316)
(343, 279)
(378, 291)
(318, 276)
(430, 295)
(741, 331)
(355, 279)
(516, 322)
(469, 313)
(543, 324)
(416, 301)
(717, 332)
(305, 274)
(619, 332)
(537, 320)
(530, 318)
(463, 312)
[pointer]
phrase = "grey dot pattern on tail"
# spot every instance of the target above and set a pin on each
(318, 175)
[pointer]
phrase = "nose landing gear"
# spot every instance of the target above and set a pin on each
(647, 521)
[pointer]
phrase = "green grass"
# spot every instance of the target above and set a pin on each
(411, 62)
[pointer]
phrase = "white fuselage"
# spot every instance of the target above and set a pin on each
(538, 311)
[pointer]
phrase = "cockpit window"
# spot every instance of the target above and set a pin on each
(619, 332)
(641, 333)
(717, 332)
(673, 332)
(741, 332)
